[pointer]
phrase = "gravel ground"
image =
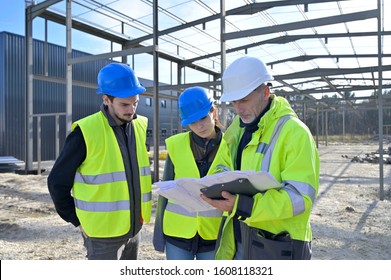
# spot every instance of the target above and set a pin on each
(349, 220)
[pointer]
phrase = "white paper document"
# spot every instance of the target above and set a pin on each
(186, 191)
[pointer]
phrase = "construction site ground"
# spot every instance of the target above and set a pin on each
(349, 220)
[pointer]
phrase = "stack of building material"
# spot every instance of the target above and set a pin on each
(9, 164)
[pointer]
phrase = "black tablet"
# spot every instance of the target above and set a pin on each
(238, 186)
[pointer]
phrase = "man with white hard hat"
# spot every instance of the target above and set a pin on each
(266, 135)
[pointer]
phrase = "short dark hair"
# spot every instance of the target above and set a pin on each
(110, 97)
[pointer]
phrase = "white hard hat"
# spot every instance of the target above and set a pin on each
(243, 76)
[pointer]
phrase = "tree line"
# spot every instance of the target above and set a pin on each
(361, 116)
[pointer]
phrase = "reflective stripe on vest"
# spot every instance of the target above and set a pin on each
(97, 180)
(268, 149)
(147, 197)
(100, 179)
(145, 171)
(111, 178)
(102, 206)
(294, 189)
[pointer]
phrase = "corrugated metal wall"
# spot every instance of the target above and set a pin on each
(49, 97)
(2, 94)
(13, 85)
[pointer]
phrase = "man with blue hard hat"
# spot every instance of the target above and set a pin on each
(101, 181)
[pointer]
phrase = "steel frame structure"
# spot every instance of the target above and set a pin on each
(328, 77)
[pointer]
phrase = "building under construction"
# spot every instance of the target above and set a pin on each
(320, 52)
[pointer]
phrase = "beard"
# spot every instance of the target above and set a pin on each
(120, 118)
(125, 118)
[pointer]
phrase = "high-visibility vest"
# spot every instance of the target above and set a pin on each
(100, 189)
(283, 146)
(177, 221)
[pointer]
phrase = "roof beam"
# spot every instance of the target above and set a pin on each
(291, 38)
(89, 29)
(108, 55)
(181, 87)
(247, 9)
(296, 90)
(337, 91)
(286, 39)
(37, 9)
(352, 88)
(258, 7)
(330, 72)
(302, 24)
(337, 56)
(118, 38)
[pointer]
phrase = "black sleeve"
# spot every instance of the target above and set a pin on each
(244, 207)
(61, 177)
(169, 173)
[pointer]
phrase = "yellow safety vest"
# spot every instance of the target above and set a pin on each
(177, 221)
(100, 187)
(283, 146)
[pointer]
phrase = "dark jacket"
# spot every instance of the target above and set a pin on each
(61, 177)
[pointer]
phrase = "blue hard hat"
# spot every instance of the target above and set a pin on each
(194, 104)
(119, 80)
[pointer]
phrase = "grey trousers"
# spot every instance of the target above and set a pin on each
(112, 248)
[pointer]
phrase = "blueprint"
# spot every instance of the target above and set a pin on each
(186, 191)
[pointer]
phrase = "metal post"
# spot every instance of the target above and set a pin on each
(343, 124)
(323, 122)
(39, 145)
(171, 104)
(29, 90)
(46, 50)
(380, 97)
(326, 127)
(179, 77)
(317, 125)
(156, 93)
(69, 66)
(223, 60)
(57, 136)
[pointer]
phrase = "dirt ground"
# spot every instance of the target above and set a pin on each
(349, 220)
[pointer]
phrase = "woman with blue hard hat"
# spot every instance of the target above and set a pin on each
(101, 182)
(185, 235)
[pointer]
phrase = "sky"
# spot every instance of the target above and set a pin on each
(12, 20)
(12, 16)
